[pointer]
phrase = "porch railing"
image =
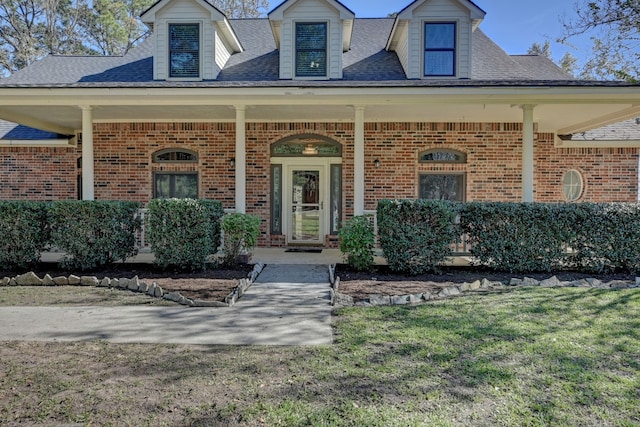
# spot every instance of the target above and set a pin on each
(141, 238)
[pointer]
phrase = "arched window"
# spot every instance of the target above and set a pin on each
(306, 146)
(175, 184)
(175, 155)
(442, 156)
(572, 185)
(442, 185)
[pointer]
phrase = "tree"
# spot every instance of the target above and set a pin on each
(542, 50)
(243, 8)
(616, 24)
(31, 29)
(113, 28)
(569, 63)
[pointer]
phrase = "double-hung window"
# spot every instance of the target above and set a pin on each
(184, 50)
(311, 49)
(439, 49)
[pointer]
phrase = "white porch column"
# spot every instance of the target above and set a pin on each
(87, 153)
(358, 162)
(241, 159)
(527, 153)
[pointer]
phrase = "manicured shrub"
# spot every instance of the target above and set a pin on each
(183, 233)
(24, 231)
(416, 235)
(518, 237)
(606, 237)
(94, 234)
(241, 232)
(357, 242)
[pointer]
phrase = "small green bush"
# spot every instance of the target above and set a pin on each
(94, 234)
(357, 242)
(24, 228)
(241, 232)
(416, 235)
(183, 233)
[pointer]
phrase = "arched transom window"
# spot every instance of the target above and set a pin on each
(306, 146)
(443, 156)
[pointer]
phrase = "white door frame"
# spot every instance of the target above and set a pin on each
(323, 164)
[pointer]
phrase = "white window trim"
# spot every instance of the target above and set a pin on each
(295, 48)
(200, 23)
(456, 64)
(581, 181)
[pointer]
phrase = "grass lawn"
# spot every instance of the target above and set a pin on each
(528, 357)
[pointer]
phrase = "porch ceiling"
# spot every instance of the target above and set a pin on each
(555, 111)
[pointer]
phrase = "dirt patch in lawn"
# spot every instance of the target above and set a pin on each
(213, 284)
(383, 281)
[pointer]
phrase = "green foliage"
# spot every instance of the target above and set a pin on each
(24, 229)
(357, 241)
(184, 232)
(614, 30)
(241, 232)
(416, 235)
(606, 237)
(518, 237)
(94, 234)
(521, 237)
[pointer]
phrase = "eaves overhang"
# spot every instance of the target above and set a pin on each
(558, 109)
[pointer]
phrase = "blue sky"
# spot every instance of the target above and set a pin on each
(513, 24)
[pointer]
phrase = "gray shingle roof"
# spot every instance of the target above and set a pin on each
(622, 131)
(13, 131)
(366, 64)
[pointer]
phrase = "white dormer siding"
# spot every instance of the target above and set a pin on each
(216, 39)
(338, 21)
(408, 37)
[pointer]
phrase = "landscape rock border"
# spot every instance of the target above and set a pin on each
(343, 300)
(134, 285)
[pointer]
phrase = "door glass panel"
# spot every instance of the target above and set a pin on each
(305, 197)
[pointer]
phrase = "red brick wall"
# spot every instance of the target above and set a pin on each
(124, 151)
(124, 167)
(609, 174)
(36, 173)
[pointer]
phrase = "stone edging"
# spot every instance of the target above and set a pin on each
(134, 285)
(343, 300)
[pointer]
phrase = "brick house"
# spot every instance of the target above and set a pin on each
(310, 116)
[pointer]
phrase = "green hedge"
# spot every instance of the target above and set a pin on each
(24, 231)
(606, 237)
(416, 235)
(184, 232)
(94, 234)
(518, 237)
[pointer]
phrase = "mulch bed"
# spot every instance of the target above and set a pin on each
(207, 285)
(216, 284)
(382, 281)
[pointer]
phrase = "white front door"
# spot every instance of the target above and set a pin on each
(305, 195)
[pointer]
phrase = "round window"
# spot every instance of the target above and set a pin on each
(572, 185)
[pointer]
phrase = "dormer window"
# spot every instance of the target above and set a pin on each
(439, 49)
(184, 50)
(311, 49)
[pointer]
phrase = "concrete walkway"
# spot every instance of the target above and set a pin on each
(288, 305)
